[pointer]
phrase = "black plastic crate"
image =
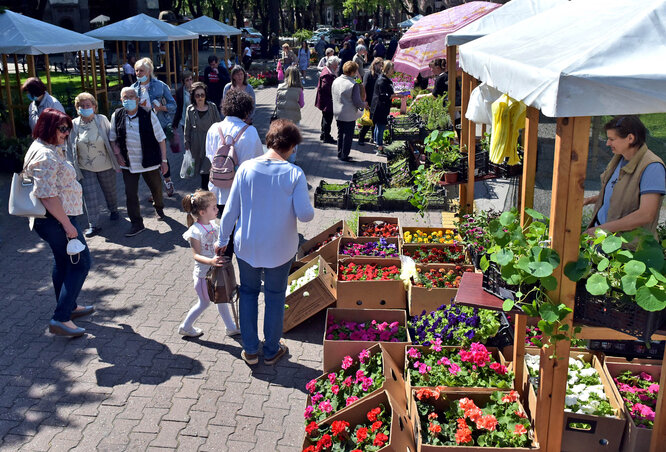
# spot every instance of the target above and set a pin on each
(337, 199)
(374, 175)
(505, 171)
(629, 349)
(616, 311)
(365, 202)
(493, 283)
(396, 205)
(406, 127)
(504, 336)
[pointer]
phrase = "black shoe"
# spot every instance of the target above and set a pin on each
(361, 142)
(160, 214)
(134, 230)
(92, 232)
(345, 159)
(330, 140)
(87, 310)
(115, 216)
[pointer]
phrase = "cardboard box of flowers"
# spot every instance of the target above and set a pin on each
(370, 283)
(324, 244)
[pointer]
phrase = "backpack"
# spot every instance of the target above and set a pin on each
(225, 162)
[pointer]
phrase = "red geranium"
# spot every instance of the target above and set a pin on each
(372, 414)
(361, 434)
(311, 427)
(367, 272)
(339, 427)
(325, 442)
(379, 229)
(380, 440)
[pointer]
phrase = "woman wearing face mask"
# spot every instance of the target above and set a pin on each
(155, 95)
(40, 100)
(56, 187)
(93, 159)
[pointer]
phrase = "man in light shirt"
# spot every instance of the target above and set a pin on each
(139, 144)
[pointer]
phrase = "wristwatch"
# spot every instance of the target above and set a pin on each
(165, 161)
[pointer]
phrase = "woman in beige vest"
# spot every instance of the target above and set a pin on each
(633, 184)
(289, 100)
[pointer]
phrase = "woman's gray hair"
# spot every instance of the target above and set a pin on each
(361, 48)
(147, 64)
(127, 89)
(332, 61)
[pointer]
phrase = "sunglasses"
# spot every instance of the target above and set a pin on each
(64, 129)
(200, 95)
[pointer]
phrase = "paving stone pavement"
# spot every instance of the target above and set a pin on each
(132, 383)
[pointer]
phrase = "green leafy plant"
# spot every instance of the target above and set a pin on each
(302, 35)
(397, 194)
(352, 221)
(433, 112)
(441, 150)
(608, 264)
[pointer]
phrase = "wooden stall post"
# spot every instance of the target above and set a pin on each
(10, 105)
(150, 51)
(213, 43)
(120, 78)
(167, 64)
(468, 206)
(465, 133)
(571, 149)
(32, 69)
(659, 429)
(102, 75)
(48, 73)
(18, 79)
(93, 73)
(226, 50)
(83, 81)
(520, 327)
(451, 69)
(529, 161)
(239, 50)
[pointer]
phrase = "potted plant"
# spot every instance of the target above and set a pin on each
(621, 282)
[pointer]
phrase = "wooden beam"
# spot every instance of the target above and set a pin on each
(571, 150)
(452, 70)
(167, 63)
(120, 77)
(468, 206)
(239, 51)
(93, 73)
(10, 104)
(213, 43)
(32, 69)
(520, 328)
(529, 161)
(48, 72)
(83, 82)
(226, 50)
(659, 429)
(150, 47)
(464, 132)
(102, 74)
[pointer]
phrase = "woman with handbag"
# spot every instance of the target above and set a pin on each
(203, 232)
(268, 196)
(200, 115)
(369, 79)
(94, 161)
(56, 187)
(289, 100)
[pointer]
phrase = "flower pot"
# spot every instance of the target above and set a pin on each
(450, 178)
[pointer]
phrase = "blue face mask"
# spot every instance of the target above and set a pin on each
(142, 79)
(31, 97)
(85, 112)
(129, 104)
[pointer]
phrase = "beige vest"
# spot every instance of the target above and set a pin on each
(287, 103)
(626, 193)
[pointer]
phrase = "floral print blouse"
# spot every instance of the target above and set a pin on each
(54, 176)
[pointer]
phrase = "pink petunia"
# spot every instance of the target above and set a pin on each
(454, 369)
(412, 353)
(317, 397)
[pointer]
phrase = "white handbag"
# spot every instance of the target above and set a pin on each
(22, 202)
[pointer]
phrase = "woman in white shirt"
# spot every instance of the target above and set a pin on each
(236, 106)
(268, 196)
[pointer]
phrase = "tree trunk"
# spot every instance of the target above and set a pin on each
(214, 11)
(274, 16)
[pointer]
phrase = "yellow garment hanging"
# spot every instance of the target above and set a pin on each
(508, 119)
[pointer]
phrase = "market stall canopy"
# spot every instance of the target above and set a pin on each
(582, 58)
(101, 19)
(27, 36)
(409, 22)
(509, 14)
(141, 28)
(207, 26)
(416, 60)
(436, 26)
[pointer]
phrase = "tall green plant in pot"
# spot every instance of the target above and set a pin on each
(526, 264)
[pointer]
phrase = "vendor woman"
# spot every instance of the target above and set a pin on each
(633, 184)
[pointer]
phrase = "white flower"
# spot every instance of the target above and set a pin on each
(310, 274)
(570, 400)
(587, 372)
(577, 389)
(576, 363)
(572, 379)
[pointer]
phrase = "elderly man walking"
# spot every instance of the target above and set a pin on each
(139, 144)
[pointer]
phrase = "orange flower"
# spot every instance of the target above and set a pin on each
(427, 393)
(432, 415)
(520, 429)
(435, 428)
(510, 397)
(463, 436)
(487, 422)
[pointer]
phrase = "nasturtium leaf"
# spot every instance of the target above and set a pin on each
(634, 268)
(534, 214)
(658, 275)
(540, 269)
(484, 263)
(652, 257)
(596, 284)
(507, 305)
(523, 263)
(576, 270)
(625, 253)
(507, 218)
(611, 244)
(650, 299)
(546, 327)
(603, 264)
(502, 257)
(549, 282)
(629, 284)
(651, 282)
(548, 312)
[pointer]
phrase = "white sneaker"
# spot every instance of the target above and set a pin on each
(233, 332)
(195, 332)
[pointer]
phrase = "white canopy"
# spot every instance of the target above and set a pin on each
(582, 58)
(101, 19)
(509, 14)
(27, 36)
(207, 26)
(409, 22)
(141, 28)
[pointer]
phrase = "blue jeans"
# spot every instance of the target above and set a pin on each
(378, 133)
(275, 286)
(67, 278)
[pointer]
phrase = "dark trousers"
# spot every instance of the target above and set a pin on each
(154, 181)
(204, 182)
(326, 123)
(68, 278)
(345, 137)
(229, 252)
(363, 133)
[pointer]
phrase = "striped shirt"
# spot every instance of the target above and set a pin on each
(133, 141)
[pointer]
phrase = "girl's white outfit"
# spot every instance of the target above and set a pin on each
(207, 235)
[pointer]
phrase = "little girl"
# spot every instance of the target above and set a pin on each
(202, 235)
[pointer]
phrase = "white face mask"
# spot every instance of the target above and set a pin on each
(74, 247)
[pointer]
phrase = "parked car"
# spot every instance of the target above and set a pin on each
(252, 36)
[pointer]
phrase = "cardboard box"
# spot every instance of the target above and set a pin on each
(370, 219)
(635, 439)
(329, 252)
(480, 399)
(372, 294)
(412, 247)
(428, 231)
(334, 351)
(421, 298)
(345, 240)
(311, 298)
(401, 436)
(605, 431)
(497, 357)
(394, 384)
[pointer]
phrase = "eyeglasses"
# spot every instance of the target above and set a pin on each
(64, 129)
(200, 95)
